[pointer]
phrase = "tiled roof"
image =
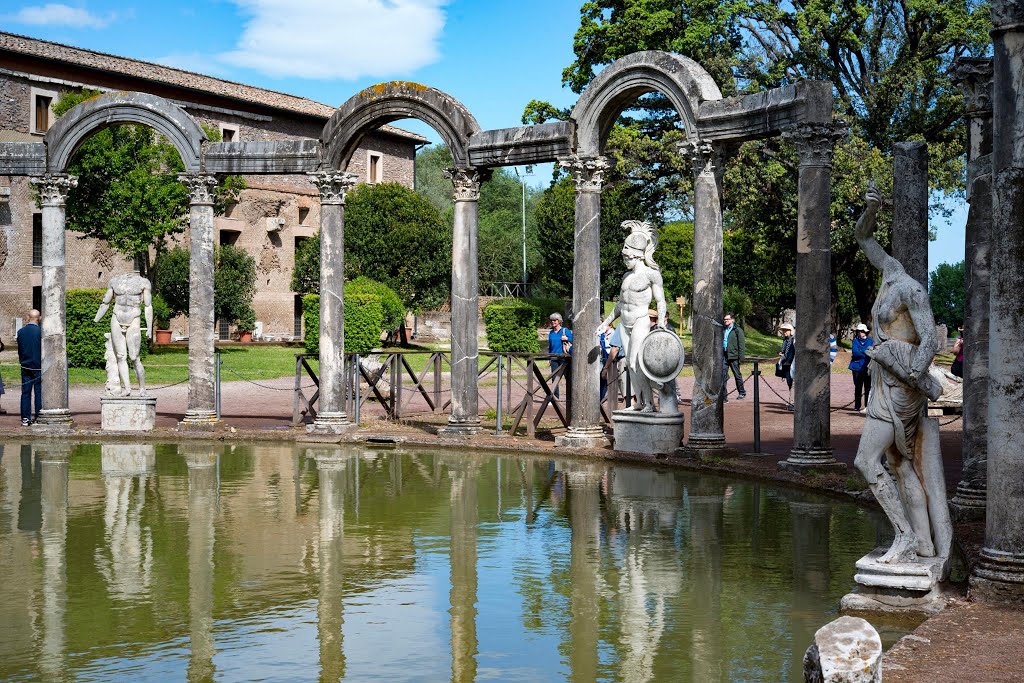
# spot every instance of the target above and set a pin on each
(157, 73)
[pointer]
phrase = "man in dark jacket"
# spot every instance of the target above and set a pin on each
(734, 345)
(30, 355)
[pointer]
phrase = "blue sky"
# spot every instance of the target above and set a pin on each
(492, 55)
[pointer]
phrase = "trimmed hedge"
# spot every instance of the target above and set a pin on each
(364, 321)
(86, 345)
(394, 309)
(512, 325)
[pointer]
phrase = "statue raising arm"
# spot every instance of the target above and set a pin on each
(865, 230)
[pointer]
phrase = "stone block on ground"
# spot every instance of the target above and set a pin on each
(847, 650)
(128, 413)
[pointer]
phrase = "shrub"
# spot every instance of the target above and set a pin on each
(234, 283)
(86, 344)
(364, 321)
(161, 313)
(737, 302)
(247, 320)
(172, 272)
(512, 326)
(394, 310)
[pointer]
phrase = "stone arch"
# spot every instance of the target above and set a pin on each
(67, 134)
(683, 81)
(387, 102)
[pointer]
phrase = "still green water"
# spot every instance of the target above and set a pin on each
(281, 563)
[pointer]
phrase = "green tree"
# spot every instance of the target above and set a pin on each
(948, 293)
(171, 281)
(234, 284)
(675, 256)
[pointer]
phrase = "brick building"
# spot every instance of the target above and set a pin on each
(273, 214)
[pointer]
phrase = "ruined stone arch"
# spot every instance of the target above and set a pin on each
(683, 81)
(66, 135)
(387, 102)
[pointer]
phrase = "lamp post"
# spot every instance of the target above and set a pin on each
(527, 171)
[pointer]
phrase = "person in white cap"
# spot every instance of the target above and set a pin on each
(787, 355)
(859, 366)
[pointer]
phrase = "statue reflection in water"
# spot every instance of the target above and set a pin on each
(127, 562)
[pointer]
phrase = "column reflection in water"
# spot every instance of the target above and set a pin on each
(331, 467)
(811, 573)
(203, 501)
(706, 500)
(583, 481)
(53, 467)
(30, 514)
(127, 567)
(462, 504)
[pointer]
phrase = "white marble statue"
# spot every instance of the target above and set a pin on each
(912, 490)
(641, 285)
(129, 292)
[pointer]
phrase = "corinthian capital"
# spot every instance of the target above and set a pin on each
(973, 75)
(54, 187)
(466, 182)
(200, 187)
(333, 186)
(587, 172)
(705, 157)
(816, 142)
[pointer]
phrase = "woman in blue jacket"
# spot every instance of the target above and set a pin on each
(859, 366)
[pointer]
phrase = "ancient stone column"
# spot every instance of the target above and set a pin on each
(910, 209)
(585, 428)
(53, 467)
(53, 192)
(203, 495)
(812, 443)
(999, 573)
(706, 416)
(201, 412)
(333, 186)
(465, 416)
(974, 77)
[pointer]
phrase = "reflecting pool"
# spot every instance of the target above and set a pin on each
(212, 562)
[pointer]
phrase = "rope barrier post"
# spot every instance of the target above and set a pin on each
(298, 389)
(355, 392)
(216, 366)
(757, 407)
(497, 427)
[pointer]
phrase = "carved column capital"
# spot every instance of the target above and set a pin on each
(816, 142)
(704, 155)
(587, 172)
(54, 188)
(333, 186)
(973, 75)
(1007, 16)
(200, 187)
(466, 182)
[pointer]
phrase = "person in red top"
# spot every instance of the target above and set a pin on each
(957, 368)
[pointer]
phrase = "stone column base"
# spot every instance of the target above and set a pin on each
(461, 428)
(583, 437)
(199, 421)
(998, 577)
(53, 421)
(968, 505)
(801, 460)
(652, 433)
(128, 413)
(701, 443)
(331, 423)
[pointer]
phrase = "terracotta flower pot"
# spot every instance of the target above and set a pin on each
(163, 336)
(245, 337)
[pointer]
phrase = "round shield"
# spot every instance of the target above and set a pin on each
(661, 355)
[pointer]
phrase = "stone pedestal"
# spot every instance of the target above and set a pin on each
(653, 433)
(128, 413)
(802, 460)
(897, 587)
(847, 650)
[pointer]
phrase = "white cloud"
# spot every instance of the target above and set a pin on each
(55, 14)
(345, 39)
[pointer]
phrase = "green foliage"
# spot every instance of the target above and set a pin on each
(86, 344)
(171, 282)
(394, 310)
(246, 321)
(737, 302)
(161, 313)
(364, 321)
(675, 256)
(311, 320)
(948, 294)
(512, 325)
(306, 273)
(234, 283)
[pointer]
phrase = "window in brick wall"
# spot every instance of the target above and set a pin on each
(41, 116)
(229, 237)
(228, 133)
(374, 168)
(37, 240)
(303, 215)
(37, 298)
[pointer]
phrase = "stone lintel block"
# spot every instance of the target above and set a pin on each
(22, 158)
(128, 413)
(592, 437)
(263, 156)
(652, 433)
(522, 145)
(847, 650)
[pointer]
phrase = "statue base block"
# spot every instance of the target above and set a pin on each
(128, 413)
(651, 433)
(897, 587)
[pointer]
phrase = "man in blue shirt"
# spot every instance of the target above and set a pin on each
(859, 366)
(734, 345)
(30, 356)
(559, 342)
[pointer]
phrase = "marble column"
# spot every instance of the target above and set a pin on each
(465, 415)
(462, 505)
(999, 573)
(201, 413)
(330, 613)
(53, 192)
(585, 428)
(812, 440)
(203, 495)
(331, 417)
(910, 209)
(706, 414)
(974, 76)
(53, 465)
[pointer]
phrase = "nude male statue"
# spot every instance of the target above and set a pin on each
(129, 292)
(895, 426)
(641, 283)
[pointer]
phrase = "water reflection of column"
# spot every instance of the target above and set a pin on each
(128, 568)
(462, 558)
(203, 493)
(706, 500)
(53, 463)
(583, 481)
(810, 571)
(330, 465)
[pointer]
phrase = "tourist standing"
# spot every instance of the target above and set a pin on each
(787, 355)
(833, 349)
(734, 345)
(957, 368)
(30, 356)
(2, 411)
(859, 366)
(559, 342)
